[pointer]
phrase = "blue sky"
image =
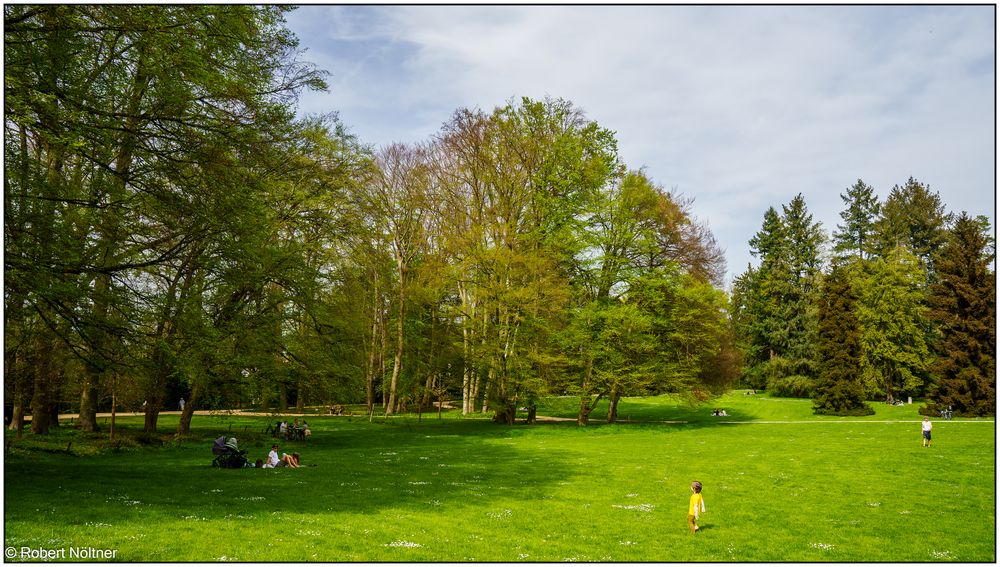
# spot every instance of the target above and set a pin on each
(737, 107)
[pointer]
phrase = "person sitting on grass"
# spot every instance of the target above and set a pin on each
(272, 458)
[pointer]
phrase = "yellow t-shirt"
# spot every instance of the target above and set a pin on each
(696, 501)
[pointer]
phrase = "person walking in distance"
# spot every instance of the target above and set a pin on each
(926, 430)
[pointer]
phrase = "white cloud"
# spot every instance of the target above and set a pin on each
(739, 107)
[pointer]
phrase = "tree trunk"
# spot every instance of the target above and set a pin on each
(300, 399)
(506, 411)
(372, 353)
(428, 390)
(265, 397)
(114, 413)
(613, 406)
(93, 373)
(398, 358)
(184, 426)
(152, 413)
(583, 417)
(20, 398)
(88, 403)
(43, 374)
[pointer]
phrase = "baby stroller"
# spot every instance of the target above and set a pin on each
(228, 455)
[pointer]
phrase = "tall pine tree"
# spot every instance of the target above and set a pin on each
(854, 238)
(963, 305)
(839, 389)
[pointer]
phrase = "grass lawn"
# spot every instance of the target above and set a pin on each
(780, 485)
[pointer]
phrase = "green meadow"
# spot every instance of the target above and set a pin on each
(780, 485)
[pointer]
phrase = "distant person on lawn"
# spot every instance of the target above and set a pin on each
(272, 458)
(286, 460)
(695, 506)
(926, 429)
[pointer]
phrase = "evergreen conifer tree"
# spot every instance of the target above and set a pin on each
(839, 389)
(853, 239)
(963, 305)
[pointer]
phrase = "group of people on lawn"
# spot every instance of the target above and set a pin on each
(291, 430)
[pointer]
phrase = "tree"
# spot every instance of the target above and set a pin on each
(963, 307)
(396, 200)
(855, 237)
(914, 217)
(892, 313)
(806, 240)
(762, 309)
(839, 390)
(114, 140)
(774, 305)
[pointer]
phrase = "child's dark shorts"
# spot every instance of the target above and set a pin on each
(927, 435)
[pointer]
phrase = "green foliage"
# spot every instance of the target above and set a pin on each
(839, 389)
(964, 309)
(855, 238)
(774, 304)
(914, 217)
(892, 313)
(794, 386)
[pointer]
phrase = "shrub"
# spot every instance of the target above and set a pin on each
(796, 386)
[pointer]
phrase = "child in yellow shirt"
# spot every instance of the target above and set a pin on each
(696, 506)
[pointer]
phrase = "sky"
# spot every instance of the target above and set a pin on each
(739, 108)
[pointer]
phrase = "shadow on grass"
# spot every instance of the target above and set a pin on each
(353, 466)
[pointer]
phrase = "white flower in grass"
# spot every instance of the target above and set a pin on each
(823, 546)
(639, 507)
(628, 543)
(874, 504)
(946, 555)
(631, 495)
(522, 556)
(399, 543)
